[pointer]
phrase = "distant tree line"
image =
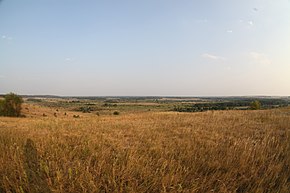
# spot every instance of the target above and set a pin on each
(10, 105)
(242, 104)
(200, 107)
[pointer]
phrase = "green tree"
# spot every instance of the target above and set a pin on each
(255, 105)
(11, 105)
(1, 107)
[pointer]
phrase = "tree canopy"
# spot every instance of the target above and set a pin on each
(255, 105)
(11, 105)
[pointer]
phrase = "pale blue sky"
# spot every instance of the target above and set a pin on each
(149, 47)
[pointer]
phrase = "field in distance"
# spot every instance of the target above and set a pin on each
(147, 144)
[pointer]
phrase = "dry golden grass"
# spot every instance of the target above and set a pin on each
(225, 151)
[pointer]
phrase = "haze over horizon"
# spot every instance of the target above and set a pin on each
(145, 48)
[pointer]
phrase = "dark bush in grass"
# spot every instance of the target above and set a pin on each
(116, 113)
(11, 105)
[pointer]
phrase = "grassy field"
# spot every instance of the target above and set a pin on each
(213, 151)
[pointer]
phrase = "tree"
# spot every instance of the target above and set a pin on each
(11, 105)
(1, 107)
(255, 105)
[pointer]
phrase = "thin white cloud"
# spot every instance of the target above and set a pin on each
(247, 23)
(212, 57)
(7, 38)
(260, 58)
(68, 59)
(229, 31)
(251, 23)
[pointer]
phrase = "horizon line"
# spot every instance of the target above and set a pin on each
(183, 96)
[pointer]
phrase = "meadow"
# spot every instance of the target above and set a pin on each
(145, 151)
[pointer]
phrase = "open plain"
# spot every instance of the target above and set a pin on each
(54, 150)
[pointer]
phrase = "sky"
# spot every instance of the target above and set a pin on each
(145, 48)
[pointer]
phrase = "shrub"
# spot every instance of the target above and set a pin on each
(1, 107)
(11, 105)
(255, 105)
(116, 113)
(85, 109)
